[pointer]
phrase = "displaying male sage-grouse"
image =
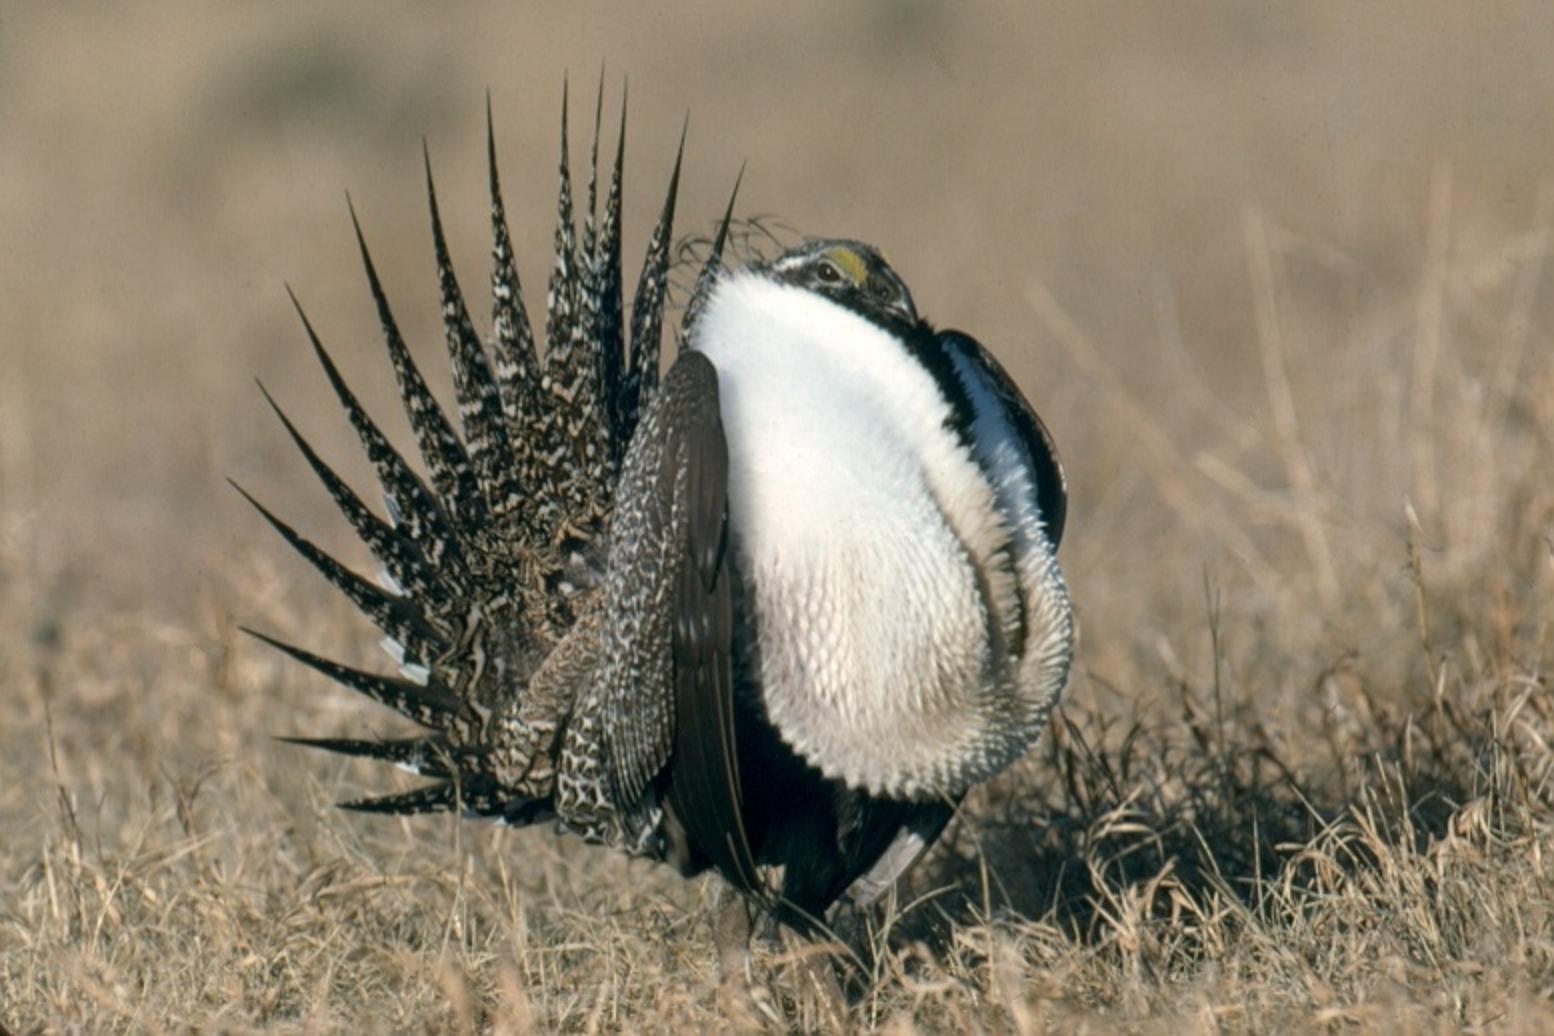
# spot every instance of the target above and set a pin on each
(780, 608)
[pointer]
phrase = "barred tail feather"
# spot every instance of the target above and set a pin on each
(647, 309)
(434, 798)
(396, 616)
(417, 511)
(480, 403)
(422, 756)
(398, 554)
(441, 450)
(578, 460)
(473, 795)
(609, 329)
(560, 380)
(431, 706)
(515, 361)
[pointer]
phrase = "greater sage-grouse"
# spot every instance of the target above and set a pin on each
(779, 607)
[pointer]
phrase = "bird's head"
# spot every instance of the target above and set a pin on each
(852, 274)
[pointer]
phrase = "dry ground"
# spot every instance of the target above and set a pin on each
(1276, 278)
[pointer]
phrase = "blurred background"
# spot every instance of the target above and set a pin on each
(1272, 273)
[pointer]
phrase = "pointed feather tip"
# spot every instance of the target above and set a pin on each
(324, 358)
(426, 161)
(674, 174)
(422, 704)
(565, 104)
(354, 749)
(417, 754)
(496, 191)
(261, 637)
(361, 237)
(336, 379)
(379, 297)
(296, 304)
(728, 213)
(715, 255)
(291, 429)
(300, 654)
(620, 140)
(709, 271)
(276, 407)
(439, 239)
(599, 107)
(322, 744)
(361, 244)
(245, 494)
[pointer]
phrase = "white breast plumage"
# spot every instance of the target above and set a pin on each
(883, 573)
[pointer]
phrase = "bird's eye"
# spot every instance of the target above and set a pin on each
(828, 273)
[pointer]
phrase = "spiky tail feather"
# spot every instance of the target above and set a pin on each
(485, 562)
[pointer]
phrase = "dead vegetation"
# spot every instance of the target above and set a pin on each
(1302, 780)
(1282, 839)
(1186, 866)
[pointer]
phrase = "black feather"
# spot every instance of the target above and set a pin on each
(441, 449)
(397, 616)
(647, 312)
(434, 798)
(397, 552)
(425, 756)
(431, 706)
(609, 330)
(480, 402)
(419, 513)
(513, 355)
(560, 297)
(574, 443)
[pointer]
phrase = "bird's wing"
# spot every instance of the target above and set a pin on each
(1004, 418)
(668, 701)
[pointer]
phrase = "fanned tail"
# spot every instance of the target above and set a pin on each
(485, 586)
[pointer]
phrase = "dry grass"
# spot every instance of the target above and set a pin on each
(1302, 780)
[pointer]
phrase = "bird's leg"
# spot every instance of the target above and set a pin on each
(731, 932)
(851, 925)
(732, 928)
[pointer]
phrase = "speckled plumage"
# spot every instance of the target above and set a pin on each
(779, 609)
(491, 568)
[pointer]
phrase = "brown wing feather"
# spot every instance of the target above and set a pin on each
(704, 786)
(666, 697)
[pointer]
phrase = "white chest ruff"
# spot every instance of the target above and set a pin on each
(878, 564)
